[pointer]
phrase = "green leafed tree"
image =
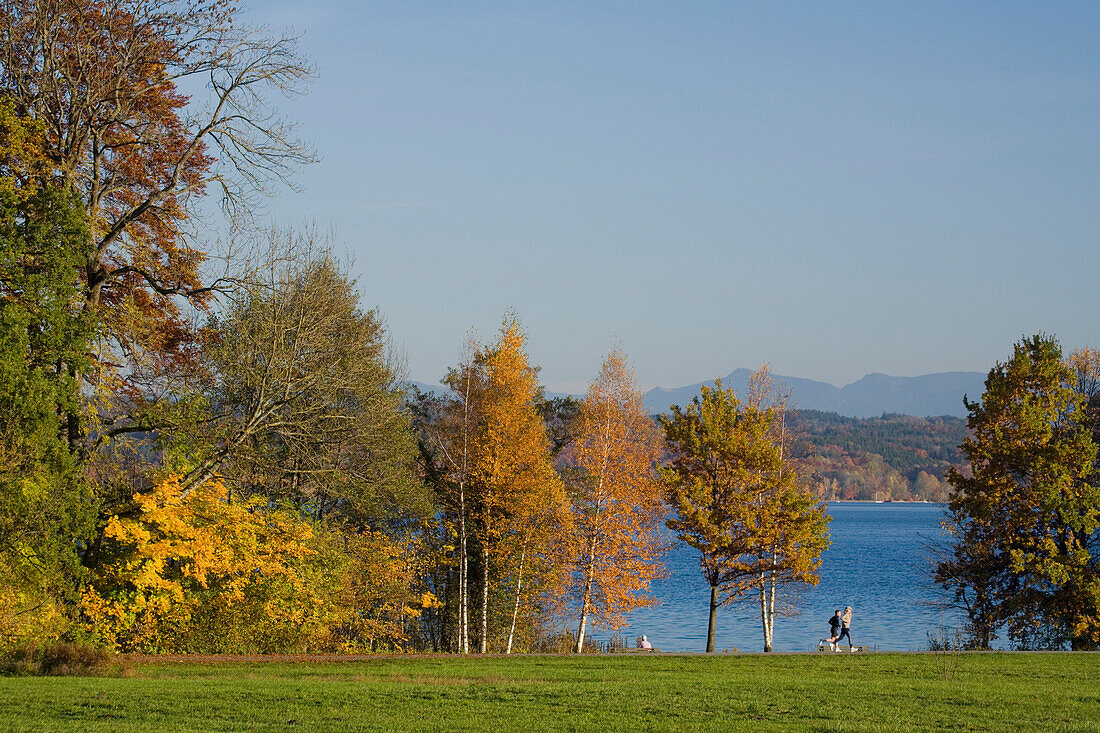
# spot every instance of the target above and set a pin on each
(45, 507)
(708, 465)
(1025, 516)
(738, 500)
(302, 402)
(106, 79)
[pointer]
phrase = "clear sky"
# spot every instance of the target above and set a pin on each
(834, 188)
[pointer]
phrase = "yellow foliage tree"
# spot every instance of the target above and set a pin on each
(184, 558)
(617, 499)
(739, 501)
(519, 498)
(23, 161)
(195, 572)
(791, 526)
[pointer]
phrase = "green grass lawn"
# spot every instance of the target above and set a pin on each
(827, 692)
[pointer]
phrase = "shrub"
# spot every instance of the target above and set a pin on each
(58, 660)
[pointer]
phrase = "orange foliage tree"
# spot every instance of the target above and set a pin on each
(616, 499)
(519, 500)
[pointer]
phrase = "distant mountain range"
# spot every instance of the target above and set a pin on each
(924, 396)
(928, 395)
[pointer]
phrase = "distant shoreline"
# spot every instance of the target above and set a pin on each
(885, 501)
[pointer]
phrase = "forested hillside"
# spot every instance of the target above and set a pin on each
(893, 457)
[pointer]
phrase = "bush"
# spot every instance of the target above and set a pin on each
(58, 660)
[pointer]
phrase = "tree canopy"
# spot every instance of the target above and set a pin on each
(45, 504)
(616, 499)
(1025, 515)
(737, 499)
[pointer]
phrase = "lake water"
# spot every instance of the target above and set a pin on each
(879, 564)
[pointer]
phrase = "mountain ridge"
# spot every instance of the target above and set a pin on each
(874, 394)
(925, 395)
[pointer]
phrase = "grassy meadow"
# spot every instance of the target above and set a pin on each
(874, 692)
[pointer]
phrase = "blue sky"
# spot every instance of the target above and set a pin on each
(834, 188)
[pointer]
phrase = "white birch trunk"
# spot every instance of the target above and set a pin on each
(463, 574)
(515, 609)
(463, 552)
(586, 597)
(484, 600)
(771, 610)
(590, 565)
(765, 613)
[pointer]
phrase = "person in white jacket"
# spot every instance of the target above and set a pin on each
(845, 628)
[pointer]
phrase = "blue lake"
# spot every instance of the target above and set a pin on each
(880, 563)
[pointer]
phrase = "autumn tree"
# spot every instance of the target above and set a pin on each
(1084, 365)
(1024, 518)
(105, 79)
(790, 525)
(445, 425)
(560, 415)
(709, 441)
(616, 499)
(738, 501)
(197, 572)
(518, 498)
(303, 401)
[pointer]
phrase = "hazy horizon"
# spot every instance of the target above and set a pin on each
(581, 389)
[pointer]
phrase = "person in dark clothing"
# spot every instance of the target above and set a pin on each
(845, 629)
(834, 630)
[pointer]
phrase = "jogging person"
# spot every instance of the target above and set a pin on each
(845, 629)
(834, 630)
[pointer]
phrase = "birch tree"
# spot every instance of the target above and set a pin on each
(616, 499)
(447, 435)
(791, 525)
(518, 497)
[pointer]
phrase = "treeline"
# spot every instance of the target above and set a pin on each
(205, 453)
(196, 453)
(888, 458)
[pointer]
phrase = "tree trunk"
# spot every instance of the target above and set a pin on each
(765, 616)
(580, 629)
(463, 551)
(586, 599)
(713, 618)
(484, 599)
(72, 430)
(771, 612)
(515, 609)
(762, 596)
(463, 574)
